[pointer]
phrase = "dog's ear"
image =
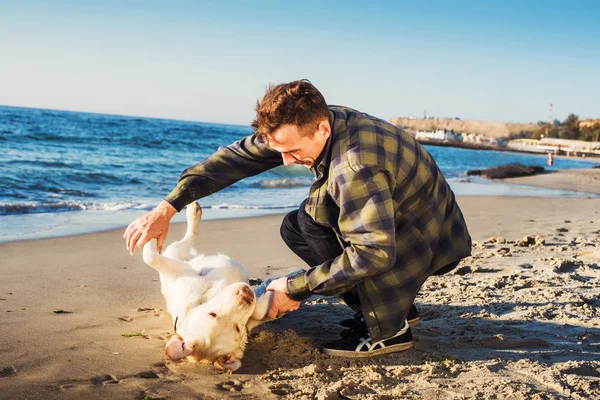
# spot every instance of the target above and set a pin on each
(176, 348)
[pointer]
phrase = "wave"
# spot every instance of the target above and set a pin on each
(101, 178)
(250, 207)
(34, 207)
(71, 192)
(43, 163)
(281, 183)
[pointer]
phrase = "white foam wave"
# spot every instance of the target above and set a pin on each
(62, 206)
(283, 183)
(250, 207)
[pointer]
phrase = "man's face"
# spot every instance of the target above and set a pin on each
(296, 148)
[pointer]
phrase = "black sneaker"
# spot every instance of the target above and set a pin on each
(350, 322)
(359, 343)
(413, 318)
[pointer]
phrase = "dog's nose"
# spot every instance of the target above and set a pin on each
(246, 294)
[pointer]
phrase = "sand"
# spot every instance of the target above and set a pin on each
(580, 180)
(518, 320)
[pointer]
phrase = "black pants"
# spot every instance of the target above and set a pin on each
(316, 244)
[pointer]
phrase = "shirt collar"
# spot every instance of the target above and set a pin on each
(325, 156)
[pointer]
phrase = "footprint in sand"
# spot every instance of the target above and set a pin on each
(6, 371)
(148, 375)
(282, 389)
(500, 343)
(234, 385)
(106, 379)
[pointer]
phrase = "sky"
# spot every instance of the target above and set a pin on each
(212, 60)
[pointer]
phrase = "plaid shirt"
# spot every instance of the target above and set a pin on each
(383, 195)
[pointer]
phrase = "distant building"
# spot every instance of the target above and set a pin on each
(480, 139)
(555, 145)
(444, 135)
(440, 134)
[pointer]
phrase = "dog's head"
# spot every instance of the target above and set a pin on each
(216, 330)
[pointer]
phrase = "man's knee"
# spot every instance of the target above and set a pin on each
(289, 225)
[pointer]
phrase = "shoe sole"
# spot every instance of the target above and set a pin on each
(363, 354)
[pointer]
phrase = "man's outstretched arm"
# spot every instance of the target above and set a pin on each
(242, 159)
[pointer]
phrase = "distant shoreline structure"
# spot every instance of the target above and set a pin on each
(491, 129)
(467, 134)
(475, 146)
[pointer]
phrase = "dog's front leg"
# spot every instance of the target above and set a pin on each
(261, 310)
(161, 263)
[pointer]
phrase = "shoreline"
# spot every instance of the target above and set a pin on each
(571, 183)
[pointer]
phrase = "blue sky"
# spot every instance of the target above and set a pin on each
(211, 61)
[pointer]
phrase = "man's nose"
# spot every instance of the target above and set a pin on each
(288, 159)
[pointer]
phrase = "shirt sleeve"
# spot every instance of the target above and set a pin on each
(244, 158)
(366, 222)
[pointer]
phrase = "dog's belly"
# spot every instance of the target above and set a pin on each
(183, 291)
(219, 268)
(213, 273)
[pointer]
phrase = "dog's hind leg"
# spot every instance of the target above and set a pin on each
(182, 250)
(161, 263)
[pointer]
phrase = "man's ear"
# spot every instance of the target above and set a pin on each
(176, 348)
(324, 130)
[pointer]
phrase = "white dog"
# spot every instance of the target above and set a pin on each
(209, 299)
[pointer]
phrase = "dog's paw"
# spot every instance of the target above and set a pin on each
(150, 253)
(193, 212)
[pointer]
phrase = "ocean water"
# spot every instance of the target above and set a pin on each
(69, 172)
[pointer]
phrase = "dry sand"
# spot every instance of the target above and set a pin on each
(518, 320)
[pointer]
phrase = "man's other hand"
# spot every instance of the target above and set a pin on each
(281, 303)
(154, 225)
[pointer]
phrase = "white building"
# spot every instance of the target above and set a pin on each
(444, 135)
(555, 145)
(441, 135)
(479, 139)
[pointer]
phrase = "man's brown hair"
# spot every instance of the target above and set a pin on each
(297, 103)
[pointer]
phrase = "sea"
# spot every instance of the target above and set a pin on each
(64, 173)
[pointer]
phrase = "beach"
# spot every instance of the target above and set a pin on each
(519, 319)
(580, 180)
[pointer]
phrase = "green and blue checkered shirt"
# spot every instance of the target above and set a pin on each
(383, 195)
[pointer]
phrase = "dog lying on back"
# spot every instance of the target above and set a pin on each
(209, 299)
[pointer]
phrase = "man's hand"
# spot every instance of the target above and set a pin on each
(281, 303)
(154, 225)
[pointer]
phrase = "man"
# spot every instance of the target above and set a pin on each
(379, 220)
